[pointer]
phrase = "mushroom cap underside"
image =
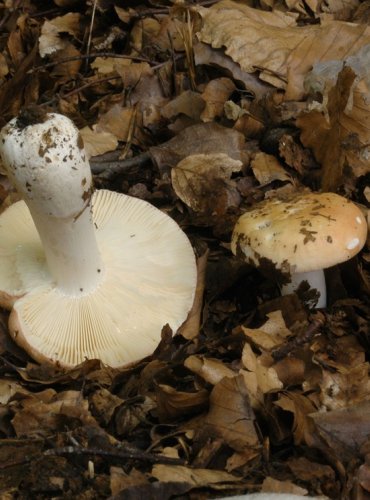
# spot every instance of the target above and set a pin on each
(309, 232)
(149, 281)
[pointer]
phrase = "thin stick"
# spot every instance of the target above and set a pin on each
(125, 454)
(299, 340)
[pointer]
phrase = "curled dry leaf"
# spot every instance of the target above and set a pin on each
(338, 131)
(204, 54)
(50, 40)
(301, 407)
(215, 95)
(190, 329)
(211, 370)
(267, 168)
(97, 143)
(271, 334)
(204, 182)
(231, 416)
(174, 404)
(259, 379)
(188, 103)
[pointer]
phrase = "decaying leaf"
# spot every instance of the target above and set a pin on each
(231, 417)
(273, 44)
(97, 143)
(50, 40)
(271, 334)
(194, 477)
(267, 168)
(259, 379)
(197, 178)
(338, 130)
(211, 370)
(190, 328)
(215, 95)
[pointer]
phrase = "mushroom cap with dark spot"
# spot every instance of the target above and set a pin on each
(311, 231)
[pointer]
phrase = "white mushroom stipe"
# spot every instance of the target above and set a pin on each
(306, 234)
(315, 280)
(88, 277)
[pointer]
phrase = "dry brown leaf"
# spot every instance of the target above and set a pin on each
(97, 143)
(271, 43)
(306, 470)
(205, 138)
(190, 328)
(120, 480)
(43, 413)
(125, 15)
(188, 103)
(215, 95)
(348, 427)
(4, 70)
(204, 182)
(194, 477)
(300, 406)
(271, 334)
(174, 404)
(231, 416)
(132, 73)
(339, 130)
(211, 370)
(349, 386)
(267, 168)
(258, 379)
(204, 54)
(8, 388)
(108, 65)
(271, 485)
(116, 121)
(50, 40)
(105, 404)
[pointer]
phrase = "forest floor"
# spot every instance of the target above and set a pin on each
(203, 109)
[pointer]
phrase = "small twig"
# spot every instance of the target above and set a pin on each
(91, 31)
(299, 340)
(79, 89)
(108, 170)
(123, 454)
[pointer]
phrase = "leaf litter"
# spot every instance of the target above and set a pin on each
(203, 109)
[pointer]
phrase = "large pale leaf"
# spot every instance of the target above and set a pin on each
(272, 43)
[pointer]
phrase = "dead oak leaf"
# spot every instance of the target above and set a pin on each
(204, 182)
(231, 416)
(300, 406)
(50, 40)
(259, 379)
(272, 44)
(194, 477)
(271, 334)
(211, 370)
(339, 131)
(267, 168)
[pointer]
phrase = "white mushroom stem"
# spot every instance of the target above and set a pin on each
(315, 279)
(46, 162)
(71, 251)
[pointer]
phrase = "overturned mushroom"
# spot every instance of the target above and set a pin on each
(86, 275)
(301, 237)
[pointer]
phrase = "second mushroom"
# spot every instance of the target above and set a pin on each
(301, 237)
